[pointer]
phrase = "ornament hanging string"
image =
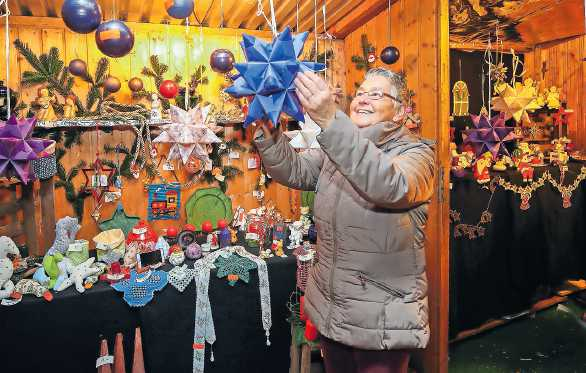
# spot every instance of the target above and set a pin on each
(187, 103)
(327, 37)
(272, 22)
(488, 60)
(207, 13)
(297, 15)
(7, 53)
(315, 29)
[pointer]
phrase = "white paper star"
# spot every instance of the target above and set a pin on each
(306, 138)
(189, 134)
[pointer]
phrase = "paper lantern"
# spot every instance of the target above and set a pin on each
(222, 61)
(390, 55)
(169, 89)
(135, 84)
(112, 84)
(82, 16)
(179, 8)
(77, 67)
(114, 39)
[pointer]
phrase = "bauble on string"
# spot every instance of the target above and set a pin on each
(135, 84)
(114, 39)
(112, 84)
(179, 9)
(82, 16)
(390, 55)
(222, 61)
(77, 67)
(169, 88)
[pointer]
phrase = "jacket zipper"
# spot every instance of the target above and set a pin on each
(389, 289)
(334, 260)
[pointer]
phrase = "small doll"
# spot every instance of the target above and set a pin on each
(69, 109)
(45, 101)
(481, 173)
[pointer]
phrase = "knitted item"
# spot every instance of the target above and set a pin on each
(234, 265)
(66, 231)
(44, 168)
(181, 277)
(140, 288)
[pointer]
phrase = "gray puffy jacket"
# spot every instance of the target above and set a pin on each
(368, 288)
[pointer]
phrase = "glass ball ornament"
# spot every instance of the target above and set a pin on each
(169, 89)
(77, 67)
(222, 61)
(179, 9)
(390, 55)
(135, 84)
(112, 84)
(81, 16)
(114, 39)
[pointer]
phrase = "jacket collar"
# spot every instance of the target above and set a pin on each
(384, 132)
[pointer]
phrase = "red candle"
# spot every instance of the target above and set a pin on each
(310, 331)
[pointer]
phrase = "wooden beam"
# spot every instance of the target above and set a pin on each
(335, 9)
(305, 15)
(254, 20)
(358, 17)
(241, 11)
(564, 19)
(506, 47)
(285, 8)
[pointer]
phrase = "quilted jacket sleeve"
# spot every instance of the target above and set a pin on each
(286, 166)
(397, 182)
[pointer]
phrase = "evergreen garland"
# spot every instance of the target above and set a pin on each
(361, 62)
(73, 196)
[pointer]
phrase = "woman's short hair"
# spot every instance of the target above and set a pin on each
(397, 81)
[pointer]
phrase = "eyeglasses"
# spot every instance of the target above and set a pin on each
(375, 95)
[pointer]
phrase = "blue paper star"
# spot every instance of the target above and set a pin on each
(269, 74)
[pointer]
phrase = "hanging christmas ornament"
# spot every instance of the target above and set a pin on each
(112, 84)
(135, 84)
(179, 9)
(77, 67)
(82, 16)
(490, 135)
(222, 61)
(169, 89)
(390, 55)
(114, 38)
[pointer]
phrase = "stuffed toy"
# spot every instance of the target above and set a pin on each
(66, 231)
(7, 246)
(52, 272)
(76, 274)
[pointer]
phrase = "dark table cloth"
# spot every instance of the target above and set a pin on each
(64, 335)
(522, 255)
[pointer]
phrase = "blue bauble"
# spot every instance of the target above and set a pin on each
(83, 16)
(390, 55)
(179, 8)
(222, 61)
(114, 39)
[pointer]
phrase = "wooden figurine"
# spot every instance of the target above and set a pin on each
(69, 109)
(524, 167)
(45, 100)
(481, 168)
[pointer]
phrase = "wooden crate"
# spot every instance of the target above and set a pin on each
(27, 214)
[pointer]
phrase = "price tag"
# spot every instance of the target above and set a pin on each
(234, 155)
(103, 360)
(252, 163)
(103, 180)
(168, 166)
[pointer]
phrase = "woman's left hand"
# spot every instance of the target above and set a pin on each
(316, 97)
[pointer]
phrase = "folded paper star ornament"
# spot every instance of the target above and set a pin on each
(267, 76)
(306, 138)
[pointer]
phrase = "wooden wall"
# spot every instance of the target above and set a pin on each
(420, 31)
(169, 43)
(565, 69)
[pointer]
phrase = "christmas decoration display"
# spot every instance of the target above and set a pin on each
(18, 148)
(460, 99)
(7, 246)
(114, 39)
(306, 138)
(222, 61)
(142, 237)
(135, 84)
(169, 89)
(112, 84)
(164, 201)
(490, 135)
(139, 289)
(45, 102)
(82, 16)
(390, 55)
(268, 76)
(179, 8)
(77, 67)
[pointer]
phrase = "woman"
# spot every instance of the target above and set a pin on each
(373, 180)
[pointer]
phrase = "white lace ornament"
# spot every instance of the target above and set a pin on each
(204, 330)
(181, 277)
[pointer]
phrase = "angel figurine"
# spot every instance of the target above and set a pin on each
(69, 109)
(45, 100)
(296, 235)
(156, 113)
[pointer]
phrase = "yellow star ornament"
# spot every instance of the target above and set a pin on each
(516, 102)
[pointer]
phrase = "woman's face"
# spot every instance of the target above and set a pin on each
(366, 111)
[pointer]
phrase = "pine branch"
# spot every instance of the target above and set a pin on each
(30, 56)
(30, 78)
(101, 70)
(177, 78)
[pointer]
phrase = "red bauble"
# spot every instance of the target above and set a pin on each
(169, 88)
(302, 315)
(171, 232)
(189, 227)
(222, 224)
(310, 331)
(207, 226)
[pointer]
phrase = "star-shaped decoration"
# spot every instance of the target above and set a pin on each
(189, 133)
(306, 138)
(490, 135)
(516, 102)
(234, 265)
(269, 74)
(17, 148)
(120, 220)
(140, 289)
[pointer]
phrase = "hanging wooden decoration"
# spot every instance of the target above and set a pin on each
(460, 99)
(164, 201)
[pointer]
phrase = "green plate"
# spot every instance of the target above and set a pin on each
(208, 204)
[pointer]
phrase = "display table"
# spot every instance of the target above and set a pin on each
(522, 254)
(64, 335)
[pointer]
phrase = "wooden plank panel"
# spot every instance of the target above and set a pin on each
(31, 36)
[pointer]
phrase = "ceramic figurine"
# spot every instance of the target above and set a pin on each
(45, 100)
(156, 113)
(296, 235)
(69, 109)
(7, 246)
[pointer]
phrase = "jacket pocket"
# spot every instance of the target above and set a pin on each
(389, 289)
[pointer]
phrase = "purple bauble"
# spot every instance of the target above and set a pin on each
(390, 55)
(112, 84)
(179, 9)
(222, 61)
(114, 39)
(77, 67)
(82, 16)
(193, 251)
